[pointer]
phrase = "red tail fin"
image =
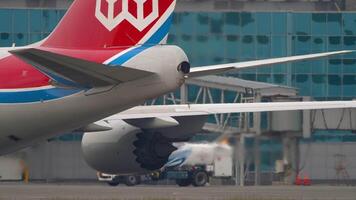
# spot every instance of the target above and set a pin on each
(96, 24)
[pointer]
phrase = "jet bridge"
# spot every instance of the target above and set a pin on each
(288, 126)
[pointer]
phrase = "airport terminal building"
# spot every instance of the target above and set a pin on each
(224, 31)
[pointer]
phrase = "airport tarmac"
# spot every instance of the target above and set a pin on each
(103, 192)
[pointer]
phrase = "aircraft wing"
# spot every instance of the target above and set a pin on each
(217, 69)
(71, 71)
(142, 112)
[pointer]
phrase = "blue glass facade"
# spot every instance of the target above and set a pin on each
(212, 38)
(24, 26)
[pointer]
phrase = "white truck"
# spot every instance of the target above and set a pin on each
(190, 164)
(193, 164)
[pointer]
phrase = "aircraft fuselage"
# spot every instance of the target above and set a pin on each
(38, 110)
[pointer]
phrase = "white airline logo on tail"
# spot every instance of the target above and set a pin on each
(140, 22)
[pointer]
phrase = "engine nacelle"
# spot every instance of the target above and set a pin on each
(127, 149)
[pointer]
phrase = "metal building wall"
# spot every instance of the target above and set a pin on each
(328, 161)
(56, 161)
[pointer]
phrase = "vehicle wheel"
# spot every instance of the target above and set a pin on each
(183, 182)
(200, 178)
(113, 183)
(132, 180)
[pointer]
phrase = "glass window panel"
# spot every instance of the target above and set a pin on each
(318, 44)
(35, 37)
(6, 39)
(302, 67)
(302, 46)
(248, 47)
(279, 46)
(264, 23)
(303, 82)
(20, 21)
(232, 47)
(216, 23)
(334, 86)
(216, 55)
(6, 20)
(248, 23)
(267, 78)
(319, 85)
(280, 79)
(349, 23)
(334, 23)
(350, 44)
(250, 77)
(35, 21)
(279, 23)
(49, 20)
(335, 66)
(319, 24)
(176, 23)
(302, 23)
(349, 85)
(318, 66)
(263, 46)
(21, 39)
(349, 66)
(231, 23)
(187, 23)
(279, 69)
(202, 23)
(335, 44)
(201, 50)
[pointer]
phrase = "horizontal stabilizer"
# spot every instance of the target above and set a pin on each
(69, 71)
(218, 69)
(209, 109)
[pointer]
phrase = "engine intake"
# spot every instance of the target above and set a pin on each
(152, 150)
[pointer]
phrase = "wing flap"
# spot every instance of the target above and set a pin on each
(208, 109)
(218, 69)
(71, 71)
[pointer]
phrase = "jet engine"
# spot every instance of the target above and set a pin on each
(132, 147)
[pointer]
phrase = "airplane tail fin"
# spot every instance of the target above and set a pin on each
(98, 24)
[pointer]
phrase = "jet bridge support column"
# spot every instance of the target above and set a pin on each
(256, 146)
(241, 153)
(290, 158)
